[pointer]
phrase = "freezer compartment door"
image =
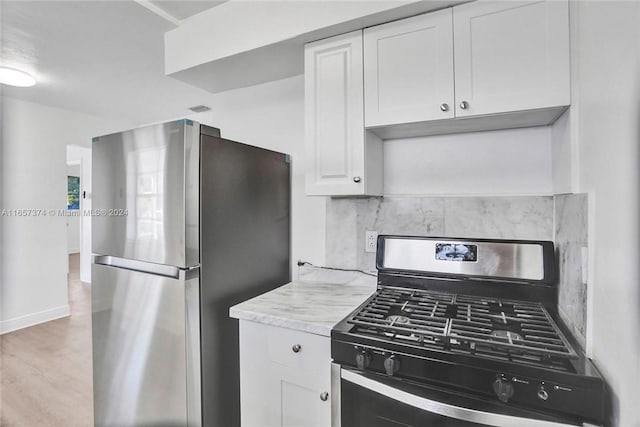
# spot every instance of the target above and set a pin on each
(145, 194)
(146, 338)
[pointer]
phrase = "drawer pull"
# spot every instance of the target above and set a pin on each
(324, 396)
(296, 348)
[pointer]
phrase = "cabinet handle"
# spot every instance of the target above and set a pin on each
(464, 105)
(444, 107)
(357, 179)
(324, 396)
(296, 348)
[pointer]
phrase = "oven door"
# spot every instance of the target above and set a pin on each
(374, 400)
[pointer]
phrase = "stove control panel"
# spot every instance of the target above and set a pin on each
(531, 390)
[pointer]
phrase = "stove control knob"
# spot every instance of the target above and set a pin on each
(391, 364)
(363, 359)
(542, 393)
(503, 389)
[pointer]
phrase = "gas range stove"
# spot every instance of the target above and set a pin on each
(463, 332)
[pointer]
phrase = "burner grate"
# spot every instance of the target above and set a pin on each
(488, 327)
(426, 314)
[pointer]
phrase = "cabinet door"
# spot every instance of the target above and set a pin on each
(511, 56)
(300, 365)
(408, 70)
(334, 117)
(283, 375)
(301, 396)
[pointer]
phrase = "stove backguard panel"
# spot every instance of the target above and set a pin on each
(522, 217)
(469, 258)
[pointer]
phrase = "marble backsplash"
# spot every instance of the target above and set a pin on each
(560, 218)
(481, 217)
(570, 239)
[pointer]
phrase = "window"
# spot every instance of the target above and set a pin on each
(73, 193)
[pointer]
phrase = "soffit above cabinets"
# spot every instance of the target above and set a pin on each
(239, 44)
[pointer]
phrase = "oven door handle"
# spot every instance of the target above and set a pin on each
(444, 409)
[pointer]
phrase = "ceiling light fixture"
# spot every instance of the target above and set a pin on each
(13, 77)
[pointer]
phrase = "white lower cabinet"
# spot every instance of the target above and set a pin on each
(285, 377)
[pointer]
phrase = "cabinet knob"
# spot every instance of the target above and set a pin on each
(357, 179)
(464, 105)
(324, 396)
(296, 348)
(444, 107)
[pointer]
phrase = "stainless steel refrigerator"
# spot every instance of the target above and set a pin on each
(185, 225)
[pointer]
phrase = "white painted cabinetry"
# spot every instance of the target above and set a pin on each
(285, 377)
(342, 158)
(483, 65)
(505, 62)
(408, 70)
(511, 56)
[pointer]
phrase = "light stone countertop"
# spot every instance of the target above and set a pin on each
(307, 306)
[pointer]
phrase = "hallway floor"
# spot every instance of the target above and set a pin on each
(46, 369)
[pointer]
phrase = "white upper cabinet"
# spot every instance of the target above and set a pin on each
(342, 159)
(483, 65)
(408, 70)
(507, 62)
(511, 56)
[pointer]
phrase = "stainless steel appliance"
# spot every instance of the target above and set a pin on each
(185, 225)
(463, 332)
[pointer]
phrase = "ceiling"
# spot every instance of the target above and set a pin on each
(184, 9)
(104, 58)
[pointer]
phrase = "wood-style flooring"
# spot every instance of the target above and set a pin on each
(46, 377)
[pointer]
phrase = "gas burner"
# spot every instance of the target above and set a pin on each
(508, 336)
(499, 307)
(396, 319)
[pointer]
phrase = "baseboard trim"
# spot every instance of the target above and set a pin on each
(11, 325)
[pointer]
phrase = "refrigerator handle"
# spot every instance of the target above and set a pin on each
(141, 266)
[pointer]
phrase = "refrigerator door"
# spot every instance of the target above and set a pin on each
(145, 194)
(146, 336)
(245, 241)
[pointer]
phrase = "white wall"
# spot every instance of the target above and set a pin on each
(505, 162)
(563, 169)
(34, 256)
(73, 222)
(608, 124)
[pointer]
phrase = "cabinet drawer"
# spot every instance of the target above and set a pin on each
(314, 351)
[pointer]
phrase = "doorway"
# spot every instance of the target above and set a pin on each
(73, 208)
(79, 219)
